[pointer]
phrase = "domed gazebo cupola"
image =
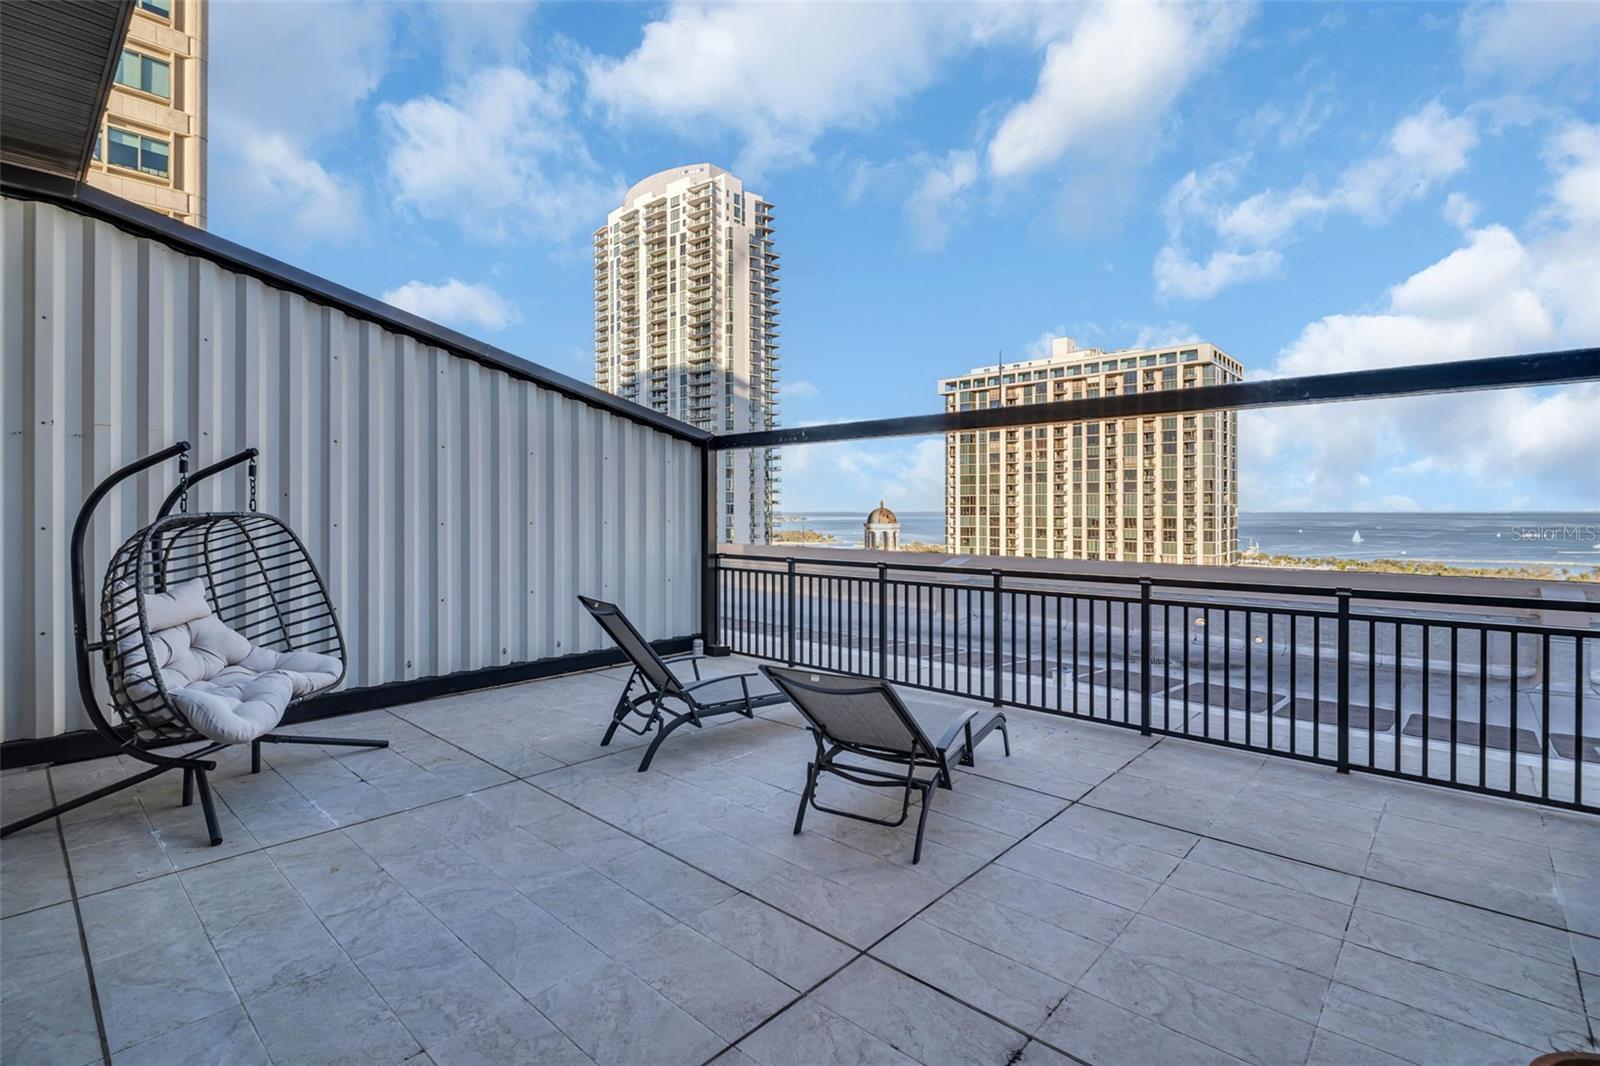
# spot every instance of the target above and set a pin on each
(882, 531)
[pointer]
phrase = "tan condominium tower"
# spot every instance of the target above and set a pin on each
(1159, 489)
(152, 143)
(686, 321)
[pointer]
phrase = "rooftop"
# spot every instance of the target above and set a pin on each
(497, 887)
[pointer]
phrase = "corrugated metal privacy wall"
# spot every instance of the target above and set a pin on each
(454, 509)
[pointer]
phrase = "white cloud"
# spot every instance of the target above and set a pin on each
(778, 75)
(477, 32)
(1040, 346)
(1460, 210)
(799, 389)
(299, 69)
(1424, 149)
(1163, 335)
(1178, 275)
(270, 178)
(497, 156)
(1108, 80)
(287, 81)
(1532, 42)
(939, 199)
(455, 303)
(908, 475)
(1497, 294)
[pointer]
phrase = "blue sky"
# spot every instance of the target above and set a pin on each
(1311, 187)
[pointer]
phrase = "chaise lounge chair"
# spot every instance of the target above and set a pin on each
(866, 719)
(729, 693)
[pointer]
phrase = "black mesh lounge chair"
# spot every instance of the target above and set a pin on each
(866, 719)
(700, 699)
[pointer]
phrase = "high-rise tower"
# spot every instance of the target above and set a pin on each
(686, 320)
(1158, 489)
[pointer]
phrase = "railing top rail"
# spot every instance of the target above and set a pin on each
(1512, 603)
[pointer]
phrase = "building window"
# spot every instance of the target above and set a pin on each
(145, 73)
(144, 154)
(159, 8)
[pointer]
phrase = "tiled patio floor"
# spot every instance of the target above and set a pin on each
(497, 888)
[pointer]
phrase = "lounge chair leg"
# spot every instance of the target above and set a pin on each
(618, 712)
(805, 797)
(208, 805)
(922, 825)
(255, 756)
(332, 742)
(1005, 736)
(966, 752)
(83, 800)
(650, 752)
(188, 788)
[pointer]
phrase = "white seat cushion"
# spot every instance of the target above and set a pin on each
(225, 687)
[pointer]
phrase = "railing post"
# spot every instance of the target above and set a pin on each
(999, 633)
(788, 599)
(1144, 657)
(1344, 681)
(711, 563)
(883, 621)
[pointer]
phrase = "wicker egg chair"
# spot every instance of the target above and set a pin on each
(212, 625)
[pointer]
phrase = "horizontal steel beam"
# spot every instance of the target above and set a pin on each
(1469, 375)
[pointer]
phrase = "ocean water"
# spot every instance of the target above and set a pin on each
(1567, 539)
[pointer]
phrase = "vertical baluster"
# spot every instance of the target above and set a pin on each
(1144, 664)
(1227, 675)
(1455, 695)
(1544, 724)
(1249, 676)
(1399, 716)
(1272, 688)
(1075, 670)
(1578, 681)
(999, 636)
(1127, 696)
(1205, 666)
(1483, 707)
(1060, 702)
(1316, 686)
(1427, 689)
(1515, 743)
(1342, 683)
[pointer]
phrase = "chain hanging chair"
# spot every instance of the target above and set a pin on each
(212, 625)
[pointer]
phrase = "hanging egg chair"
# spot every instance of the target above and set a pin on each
(212, 625)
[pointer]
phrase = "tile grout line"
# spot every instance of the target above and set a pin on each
(184, 888)
(83, 936)
(1331, 869)
(864, 952)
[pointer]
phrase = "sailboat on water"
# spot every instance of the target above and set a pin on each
(1357, 538)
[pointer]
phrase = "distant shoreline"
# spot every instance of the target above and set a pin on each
(1539, 545)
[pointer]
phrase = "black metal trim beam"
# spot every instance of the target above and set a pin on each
(88, 744)
(22, 183)
(1468, 375)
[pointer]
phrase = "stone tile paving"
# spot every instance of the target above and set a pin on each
(495, 887)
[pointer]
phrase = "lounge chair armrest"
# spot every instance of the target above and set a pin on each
(957, 727)
(687, 657)
(743, 679)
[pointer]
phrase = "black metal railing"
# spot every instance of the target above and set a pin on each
(1478, 692)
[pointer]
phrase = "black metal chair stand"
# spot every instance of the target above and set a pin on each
(240, 587)
(660, 685)
(866, 719)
